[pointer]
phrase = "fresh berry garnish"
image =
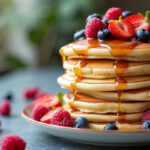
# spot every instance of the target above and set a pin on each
(5, 108)
(39, 111)
(126, 13)
(81, 122)
(92, 16)
(12, 142)
(113, 13)
(93, 26)
(8, 95)
(78, 35)
(139, 22)
(110, 126)
(49, 100)
(30, 93)
(121, 29)
(146, 116)
(106, 22)
(143, 35)
(146, 125)
(40, 94)
(62, 118)
(48, 116)
(104, 34)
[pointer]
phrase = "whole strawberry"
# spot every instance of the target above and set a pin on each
(5, 108)
(93, 26)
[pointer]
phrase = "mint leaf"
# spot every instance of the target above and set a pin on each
(60, 96)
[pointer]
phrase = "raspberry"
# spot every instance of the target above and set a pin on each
(30, 92)
(39, 111)
(113, 13)
(146, 116)
(12, 142)
(5, 108)
(93, 26)
(62, 118)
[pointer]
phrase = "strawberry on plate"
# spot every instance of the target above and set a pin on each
(121, 29)
(49, 100)
(139, 22)
(48, 116)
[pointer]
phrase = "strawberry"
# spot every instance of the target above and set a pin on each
(139, 22)
(113, 13)
(48, 116)
(49, 100)
(121, 29)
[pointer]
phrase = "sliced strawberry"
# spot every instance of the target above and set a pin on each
(139, 22)
(48, 116)
(121, 29)
(50, 100)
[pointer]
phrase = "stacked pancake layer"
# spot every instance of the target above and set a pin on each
(109, 82)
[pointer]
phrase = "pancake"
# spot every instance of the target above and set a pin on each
(104, 84)
(86, 103)
(105, 68)
(130, 95)
(113, 49)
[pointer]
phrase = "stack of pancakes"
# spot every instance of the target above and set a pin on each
(109, 81)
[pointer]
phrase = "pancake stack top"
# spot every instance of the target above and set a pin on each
(108, 75)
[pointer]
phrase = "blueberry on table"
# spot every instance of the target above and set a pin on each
(8, 96)
(92, 16)
(146, 125)
(78, 35)
(106, 22)
(126, 13)
(143, 35)
(81, 122)
(110, 126)
(104, 34)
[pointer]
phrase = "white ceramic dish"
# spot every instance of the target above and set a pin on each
(89, 136)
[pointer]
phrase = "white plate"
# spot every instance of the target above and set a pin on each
(90, 136)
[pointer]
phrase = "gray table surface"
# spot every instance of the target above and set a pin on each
(15, 124)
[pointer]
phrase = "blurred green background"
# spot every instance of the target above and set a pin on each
(32, 31)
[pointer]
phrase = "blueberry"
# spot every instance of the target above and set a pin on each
(105, 21)
(78, 35)
(104, 34)
(8, 96)
(81, 122)
(126, 13)
(92, 16)
(143, 35)
(110, 126)
(146, 125)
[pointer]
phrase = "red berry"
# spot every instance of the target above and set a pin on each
(39, 111)
(12, 142)
(30, 92)
(49, 100)
(146, 116)
(121, 29)
(93, 26)
(138, 21)
(5, 108)
(113, 13)
(40, 94)
(62, 118)
(47, 117)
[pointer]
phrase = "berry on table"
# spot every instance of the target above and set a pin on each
(8, 95)
(143, 35)
(92, 16)
(127, 13)
(78, 35)
(105, 21)
(93, 26)
(104, 34)
(81, 122)
(146, 125)
(39, 111)
(110, 126)
(12, 142)
(113, 13)
(146, 116)
(5, 108)
(62, 118)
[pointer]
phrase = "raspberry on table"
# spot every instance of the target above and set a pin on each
(5, 108)
(39, 111)
(62, 118)
(12, 142)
